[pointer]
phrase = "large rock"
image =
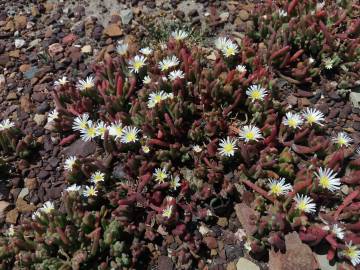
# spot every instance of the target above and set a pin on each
(80, 148)
(12, 216)
(113, 30)
(248, 218)
(4, 206)
(126, 16)
(355, 99)
(245, 264)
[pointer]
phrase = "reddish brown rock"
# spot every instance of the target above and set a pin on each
(247, 217)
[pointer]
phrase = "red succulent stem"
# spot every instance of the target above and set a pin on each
(232, 106)
(62, 235)
(331, 254)
(157, 142)
(326, 33)
(230, 76)
(331, 240)
(279, 52)
(296, 55)
(341, 19)
(258, 190)
(292, 5)
(119, 86)
(68, 139)
(185, 61)
(347, 201)
(173, 129)
(132, 87)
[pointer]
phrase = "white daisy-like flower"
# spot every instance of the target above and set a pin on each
(97, 177)
(222, 42)
(313, 116)
(47, 207)
(61, 81)
(160, 175)
(327, 179)
(101, 128)
(335, 229)
(6, 124)
(176, 74)
(197, 148)
(130, 134)
(116, 130)
(250, 133)
(54, 114)
(256, 92)
(227, 147)
(169, 62)
(292, 120)
(122, 48)
(328, 63)
(146, 51)
(311, 60)
(89, 132)
(146, 149)
(147, 79)
(342, 139)
(163, 45)
(175, 182)
(69, 163)
(155, 98)
(352, 253)
(170, 95)
(167, 212)
(230, 50)
(241, 68)
(90, 191)
(320, 6)
(36, 214)
(304, 203)
(81, 122)
(137, 63)
(73, 188)
(11, 231)
(282, 13)
(279, 187)
(86, 84)
(179, 35)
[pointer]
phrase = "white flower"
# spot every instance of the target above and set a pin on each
(227, 147)
(69, 163)
(155, 98)
(327, 179)
(320, 6)
(97, 177)
(342, 139)
(130, 134)
(36, 214)
(147, 79)
(311, 60)
(122, 48)
(282, 13)
(230, 50)
(168, 62)
(179, 35)
(335, 229)
(6, 124)
(86, 84)
(328, 63)
(292, 120)
(145, 149)
(170, 95)
(305, 204)
(278, 187)
(222, 42)
(175, 182)
(241, 68)
(137, 63)
(101, 128)
(47, 207)
(352, 253)
(54, 114)
(163, 45)
(313, 116)
(146, 51)
(61, 81)
(90, 191)
(89, 132)
(11, 231)
(250, 133)
(256, 92)
(73, 188)
(176, 74)
(80, 122)
(116, 130)
(197, 148)
(160, 175)
(167, 212)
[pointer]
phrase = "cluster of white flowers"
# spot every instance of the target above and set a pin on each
(157, 97)
(6, 124)
(168, 63)
(47, 208)
(309, 116)
(160, 175)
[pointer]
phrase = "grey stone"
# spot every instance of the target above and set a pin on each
(126, 16)
(355, 99)
(324, 263)
(243, 264)
(80, 148)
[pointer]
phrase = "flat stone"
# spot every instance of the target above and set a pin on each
(25, 104)
(23, 193)
(86, 49)
(19, 43)
(11, 96)
(12, 216)
(113, 30)
(165, 263)
(80, 148)
(30, 183)
(30, 73)
(55, 49)
(2, 82)
(23, 207)
(324, 263)
(126, 16)
(248, 218)
(244, 15)
(355, 99)
(243, 264)
(20, 22)
(4, 206)
(24, 67)
(69, 39)
(14, 53)
(4, 59)
(39, 119)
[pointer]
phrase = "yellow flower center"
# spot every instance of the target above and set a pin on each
(342, 141)
(119, 130)
(157, 98)
(130, 137)
(138, 65)
(324, 181)
(98, 178)
(91, 132)
(311, 118)
(256, 94)
(165, 67)
(250, 135)
(350, 252)
(228, 148)
(276, 189)
(302, 206)
(92, 192)
(229, 51)
(83, 125)
(292, 123)
(88, 85)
